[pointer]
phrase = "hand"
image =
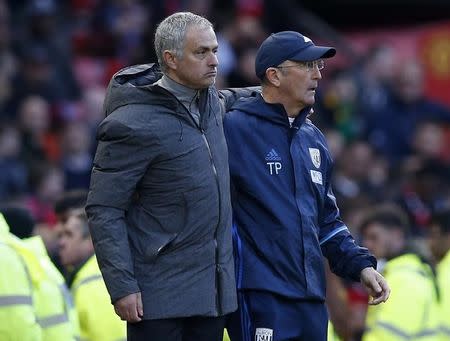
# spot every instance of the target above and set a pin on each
(129, 308)
(375, 285)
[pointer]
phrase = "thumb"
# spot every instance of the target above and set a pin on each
(140, 309)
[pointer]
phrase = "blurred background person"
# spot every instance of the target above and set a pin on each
(18, 314)
(98, 321)
(390, 129)
(76, 157)
(439, 242)
(53, 305)
(13, 169)
(412, 310)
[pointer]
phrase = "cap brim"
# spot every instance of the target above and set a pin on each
(313, 53)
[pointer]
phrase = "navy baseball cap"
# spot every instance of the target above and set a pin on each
(288, 45)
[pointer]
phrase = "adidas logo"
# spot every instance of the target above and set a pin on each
(273, 156)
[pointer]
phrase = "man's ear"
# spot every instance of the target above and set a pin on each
(170, 59)
(272, 76)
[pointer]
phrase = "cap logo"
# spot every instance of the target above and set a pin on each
(306, 39)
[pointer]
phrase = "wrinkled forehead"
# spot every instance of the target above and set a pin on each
(200, 37)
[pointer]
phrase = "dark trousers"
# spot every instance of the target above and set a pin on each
(263, 316)
(195, 328)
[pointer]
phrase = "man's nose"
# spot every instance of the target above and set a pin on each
(214, 61)
(316, 73)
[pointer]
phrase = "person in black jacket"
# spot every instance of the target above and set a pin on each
(285, 214)
(159, 201)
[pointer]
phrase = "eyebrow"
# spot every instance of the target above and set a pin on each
(206, 47)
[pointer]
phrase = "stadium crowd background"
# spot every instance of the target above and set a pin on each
(389, 137)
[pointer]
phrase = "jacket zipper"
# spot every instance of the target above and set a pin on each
(214, 169)
(213, 166)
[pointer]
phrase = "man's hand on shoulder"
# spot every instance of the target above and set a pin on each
(375, 285)
(129, 308)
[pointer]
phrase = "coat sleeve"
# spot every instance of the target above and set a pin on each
(123, 154)
(229, 96)
(346, 258)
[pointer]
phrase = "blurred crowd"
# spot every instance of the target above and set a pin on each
(389, 141)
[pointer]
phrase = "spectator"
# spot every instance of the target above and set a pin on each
(45, 30)
(13, 170)
(8, 62)
(76, 161)
(439, 241)
(35, 77)
(339, 106)
(18, 315)
(98, 321)
(47, 184)
(38, 143)
(385, 232)
(390, 129)
(373, 77)
(54, 309)
(423, 190)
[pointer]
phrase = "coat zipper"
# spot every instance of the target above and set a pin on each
(216, 176)
(213, 166)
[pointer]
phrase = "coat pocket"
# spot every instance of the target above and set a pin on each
(153, 232)
(157, 244)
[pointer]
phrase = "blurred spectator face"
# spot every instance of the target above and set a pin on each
(344, 88)
(382, 242)
(76, 138)
(51, 186)
(93, 104)
(9, 142)
(357, 161)
(248, 30)
(74, 245)
(429, 140)
(132, 17)
(335, 143)
(35, 115)
(36, 66)
(409, 81)
(246, 65)
(382, 63)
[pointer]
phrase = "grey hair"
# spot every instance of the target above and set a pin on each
(171, 32)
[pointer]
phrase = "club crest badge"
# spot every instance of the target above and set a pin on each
(264, 334)
(315, 156)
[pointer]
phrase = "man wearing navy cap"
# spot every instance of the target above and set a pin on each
(285, 214)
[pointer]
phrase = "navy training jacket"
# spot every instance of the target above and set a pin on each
(285, 213)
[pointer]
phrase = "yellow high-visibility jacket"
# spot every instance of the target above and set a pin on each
(411, 312)
(49, 304)
(443, 276)
(98, 320)
(55, 310)
(331, 334)
(18, 319)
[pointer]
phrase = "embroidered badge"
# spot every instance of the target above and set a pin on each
(316, 177)
(315, 156)
(264, 334)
